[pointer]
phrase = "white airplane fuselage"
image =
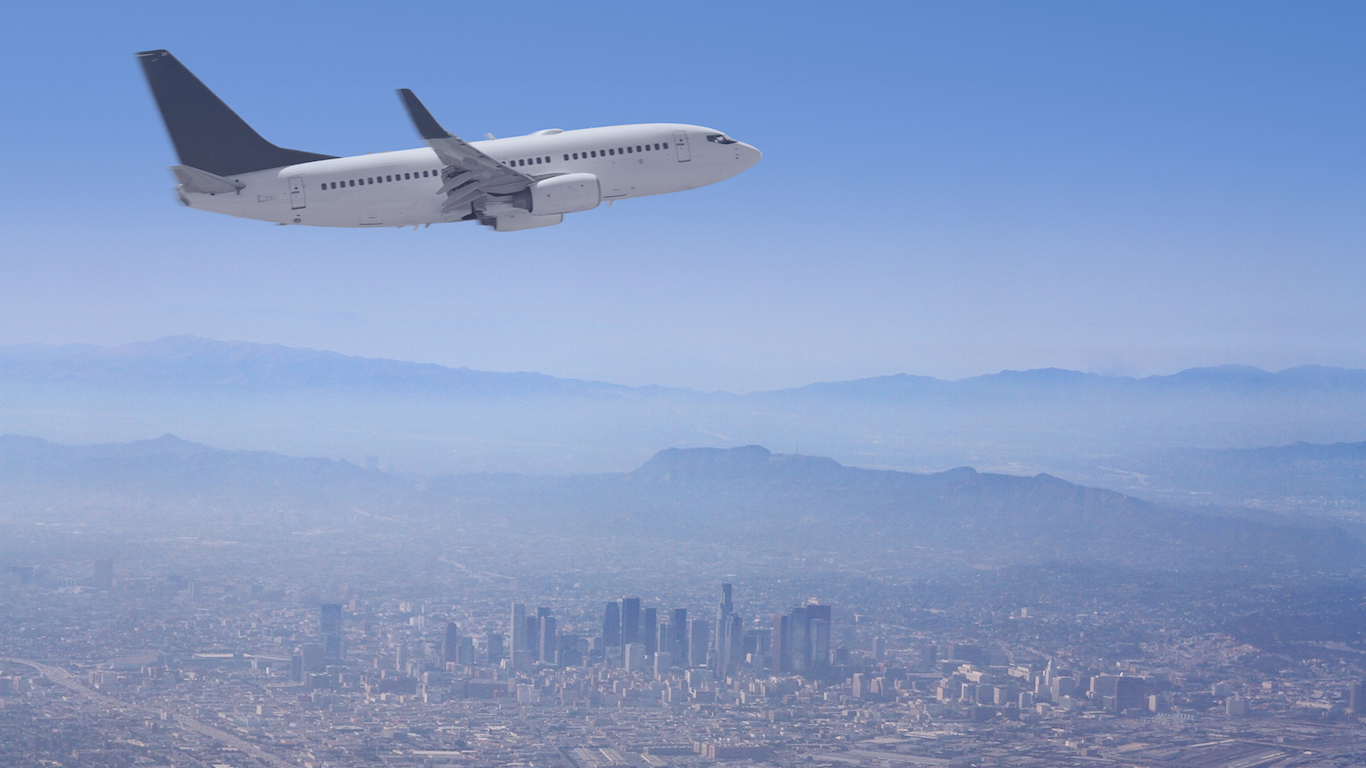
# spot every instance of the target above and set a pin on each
(402, 188)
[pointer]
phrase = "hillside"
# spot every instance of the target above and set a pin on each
(746, 498)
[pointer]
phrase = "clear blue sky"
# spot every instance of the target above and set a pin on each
(947, 188)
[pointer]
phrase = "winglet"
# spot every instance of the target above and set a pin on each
(426, 124)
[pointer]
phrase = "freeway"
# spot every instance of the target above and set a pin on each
(67, 680)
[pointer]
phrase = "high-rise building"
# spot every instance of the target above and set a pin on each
(450, 644)
(665, 638)
(104, 575)
(663, 662)
(798, 628)
(330, 630)
(493, 646)
(1129, 693)
(699, 640)
(820, 644)
(723, 611)
(611, 625)
(311, 658)
(782, 643)
(649, 630)
(520, 641)
(630, 621)
(549, 650)
(633, 658)
(800, 641)
(731, 653)
(1356, 699)
(678, 633)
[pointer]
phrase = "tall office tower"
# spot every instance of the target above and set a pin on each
(1355, 700)
(665, 637)
(649, 630)
(330, 629)
(549, 650)
(782, 643)
(493, 646)
(723, 611)
(520, 641)
(699, 640)
(763, 647)
(732, 647)
(450, 644)
(611, 625)
(104, 575)
(822, 612)
(798, 631)
(678, 633)
(630, 621)
(820, 644)
(1129, 693)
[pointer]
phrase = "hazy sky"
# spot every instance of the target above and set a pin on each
(947, 189)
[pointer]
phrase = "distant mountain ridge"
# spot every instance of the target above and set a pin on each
(435, 419)
(746, 497)
(196, 361)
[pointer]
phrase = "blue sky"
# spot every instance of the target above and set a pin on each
(947, 188)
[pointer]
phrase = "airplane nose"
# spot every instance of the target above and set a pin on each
(749, 155)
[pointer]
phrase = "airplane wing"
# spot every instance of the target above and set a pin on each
(469, 173)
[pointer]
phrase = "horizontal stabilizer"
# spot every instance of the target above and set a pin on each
(203, 182)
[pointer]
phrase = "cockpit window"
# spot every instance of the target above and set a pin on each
(720, 138)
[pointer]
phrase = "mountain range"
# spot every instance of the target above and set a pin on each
(745, 498)
(435, 419)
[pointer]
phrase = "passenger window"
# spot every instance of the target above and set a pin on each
(388, 178)
(630, 151)
(637, 147)
(594, 153)
(538, 161)
(619, 150)
(611, 151)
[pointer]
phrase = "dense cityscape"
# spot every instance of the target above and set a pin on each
(111, 663)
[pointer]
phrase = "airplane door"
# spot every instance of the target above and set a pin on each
(296, 193)
(681, 144)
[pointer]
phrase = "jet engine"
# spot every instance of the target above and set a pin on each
(569, 193)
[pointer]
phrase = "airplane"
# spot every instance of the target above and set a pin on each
(516, 183)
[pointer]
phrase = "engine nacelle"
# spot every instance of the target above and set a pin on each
(569, 193)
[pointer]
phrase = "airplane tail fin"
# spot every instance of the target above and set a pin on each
(207, 134)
